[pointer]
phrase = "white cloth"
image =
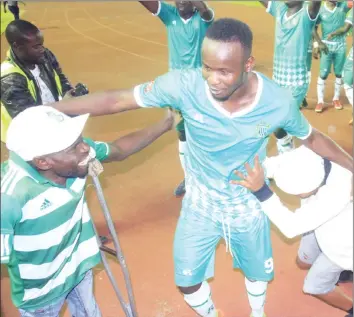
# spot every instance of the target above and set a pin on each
(329, 212)
(43, 130)
(46, 94)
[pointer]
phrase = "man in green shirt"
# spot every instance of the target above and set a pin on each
(332, 45)
(47, 237)
(186, 24)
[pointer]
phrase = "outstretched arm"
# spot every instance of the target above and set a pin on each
(327, 148)
(206, 13)
(98, 104)
(152, 6)
(314, 8)
(134, 142)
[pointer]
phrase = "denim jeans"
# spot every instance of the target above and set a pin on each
(80, 300)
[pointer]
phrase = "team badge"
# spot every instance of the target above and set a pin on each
(263, 129)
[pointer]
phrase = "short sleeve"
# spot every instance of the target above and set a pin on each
(165, 12)
(273, 7)
(11, 213)
(164, 91)
(102, 149)
(296, 124)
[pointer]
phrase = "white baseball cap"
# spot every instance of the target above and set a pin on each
(300, 171)
(43, 130)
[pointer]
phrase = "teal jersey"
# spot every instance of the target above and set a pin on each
(47, 238)
(332, 20)
(185, 37)
(220, 142)
(292, 39)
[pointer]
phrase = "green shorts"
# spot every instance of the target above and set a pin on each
(199, 232)
(336, 56)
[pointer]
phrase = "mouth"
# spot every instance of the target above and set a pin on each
(215, 91)
(90, 157)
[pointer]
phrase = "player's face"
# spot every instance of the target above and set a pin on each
(70, 163)
(185, 8)
(225, 67)
(32, 49)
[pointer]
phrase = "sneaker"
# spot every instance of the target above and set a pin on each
(319, 107)
(181, 189)
(304, 103)
(337, 105)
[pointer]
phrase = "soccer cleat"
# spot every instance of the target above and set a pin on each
(319, 107)
(337, 105)
(181, 189)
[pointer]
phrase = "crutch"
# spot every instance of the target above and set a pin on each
(96, 168)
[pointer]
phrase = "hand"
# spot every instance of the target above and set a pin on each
(331, 36)
(323, 48)
(69, 94)
(316, 53)
(254, 181)
(170, 118)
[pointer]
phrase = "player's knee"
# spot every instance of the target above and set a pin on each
(189, 289)
(302, 265)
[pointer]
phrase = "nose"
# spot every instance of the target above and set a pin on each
(213, 79)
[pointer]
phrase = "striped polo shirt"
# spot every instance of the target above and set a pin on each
(47, 237)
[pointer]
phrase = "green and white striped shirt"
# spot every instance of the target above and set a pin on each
(47, 237)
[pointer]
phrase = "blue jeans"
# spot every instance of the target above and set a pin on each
(80, 300)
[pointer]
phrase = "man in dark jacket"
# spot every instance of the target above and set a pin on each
(31, 74)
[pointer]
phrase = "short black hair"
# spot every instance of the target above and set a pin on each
(230, 30)
(18, 30)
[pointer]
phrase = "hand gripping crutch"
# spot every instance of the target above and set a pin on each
(95, 168)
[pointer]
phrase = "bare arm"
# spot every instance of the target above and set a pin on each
(343, 30)
(206, 13)
(134, 142)
(152, 6)
(320, 46)
(264, 3)
(98, 104)
(314, 8)
(327, 148)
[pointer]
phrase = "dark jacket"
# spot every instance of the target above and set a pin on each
(15, 94)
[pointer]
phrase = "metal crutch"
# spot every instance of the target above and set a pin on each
(96, 168)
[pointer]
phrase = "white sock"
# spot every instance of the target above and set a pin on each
(349, 93)
(320, 89)
(309, 74)
(337, 87)
(201, 301)
(181, 148)
(256, 292)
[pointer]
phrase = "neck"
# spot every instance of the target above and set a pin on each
(294, 8)
(53, 177)
(187, 16)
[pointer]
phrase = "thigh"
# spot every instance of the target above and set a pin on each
(51, 310)
(338, 61)
(322, 277)
(252, 248)
(325, 64)
(196, 238)
(81, 300)
(308, 249)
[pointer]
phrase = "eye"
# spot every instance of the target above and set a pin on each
(206, 68)
(224, 72)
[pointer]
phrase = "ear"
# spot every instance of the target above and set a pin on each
(249, 64)
(42, 163)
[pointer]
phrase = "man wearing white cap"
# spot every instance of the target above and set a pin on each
(325, 216)
(47, 237)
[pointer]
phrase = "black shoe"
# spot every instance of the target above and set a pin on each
(346, 277)
(304, 103)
